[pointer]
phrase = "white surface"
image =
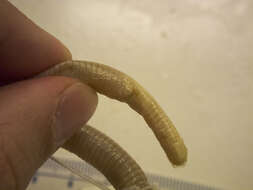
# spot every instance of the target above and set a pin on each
(194, 56)
(50, 175)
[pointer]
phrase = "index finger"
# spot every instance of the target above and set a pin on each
(25, 49)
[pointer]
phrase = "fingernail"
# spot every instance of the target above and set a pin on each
(76, 105)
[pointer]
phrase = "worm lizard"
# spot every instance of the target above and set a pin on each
(117, 85)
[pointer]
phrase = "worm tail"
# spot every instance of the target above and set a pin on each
(108, 157)
(165, 131)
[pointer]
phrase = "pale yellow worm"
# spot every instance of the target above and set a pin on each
(109, 158)
(117, 85)
(89, 144)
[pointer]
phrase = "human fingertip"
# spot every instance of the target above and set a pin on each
(75, 107)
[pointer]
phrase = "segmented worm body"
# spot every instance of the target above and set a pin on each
(117, 85)
(108, 157)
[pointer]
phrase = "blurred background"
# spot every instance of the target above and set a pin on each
(194, 56)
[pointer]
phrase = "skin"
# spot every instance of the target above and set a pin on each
(28, 135)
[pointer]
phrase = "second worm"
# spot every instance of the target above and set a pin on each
(108, 157)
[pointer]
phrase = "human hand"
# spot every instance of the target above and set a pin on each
(38, 115)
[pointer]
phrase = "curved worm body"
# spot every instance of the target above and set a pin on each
(117, 85)
(108, 157)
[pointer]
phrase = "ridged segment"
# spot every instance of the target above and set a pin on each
(103, 79)
(108, 157)
(163, 128)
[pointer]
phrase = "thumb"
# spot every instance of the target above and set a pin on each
(36, 117)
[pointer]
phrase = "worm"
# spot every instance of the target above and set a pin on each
(117, 85)
(109, 158)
